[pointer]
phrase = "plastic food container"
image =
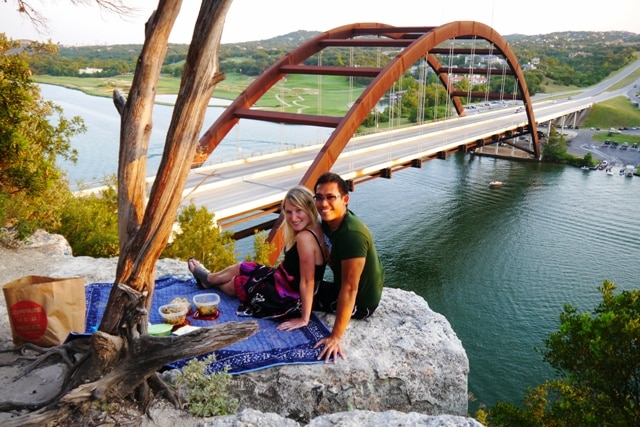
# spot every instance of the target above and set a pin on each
(207, 304)
(160, 330)
(174, 314)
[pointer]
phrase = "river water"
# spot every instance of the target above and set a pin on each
(98, 147)
(498, 263)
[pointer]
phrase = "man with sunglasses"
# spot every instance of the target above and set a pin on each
(357, 270)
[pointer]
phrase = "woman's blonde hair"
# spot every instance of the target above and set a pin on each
(300, 197)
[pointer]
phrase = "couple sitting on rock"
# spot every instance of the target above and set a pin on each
(315, 225)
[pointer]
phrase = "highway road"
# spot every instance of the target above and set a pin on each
(247, 186)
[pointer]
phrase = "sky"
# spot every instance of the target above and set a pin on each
(253, 20)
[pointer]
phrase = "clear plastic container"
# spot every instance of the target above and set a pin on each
(207, 304)
(174, 314)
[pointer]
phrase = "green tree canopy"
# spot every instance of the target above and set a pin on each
(33, 135)
(597, 356)
(30, 143)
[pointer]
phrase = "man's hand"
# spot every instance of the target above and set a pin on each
(292, 324)
(332, 349)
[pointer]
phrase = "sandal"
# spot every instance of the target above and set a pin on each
(199, 273)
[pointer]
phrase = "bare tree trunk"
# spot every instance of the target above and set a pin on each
(143, 236)
(120, 358)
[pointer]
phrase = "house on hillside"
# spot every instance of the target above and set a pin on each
(89, 70)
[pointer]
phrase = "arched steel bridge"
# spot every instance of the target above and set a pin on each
(410, 45)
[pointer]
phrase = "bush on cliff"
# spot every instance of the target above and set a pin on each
(598, 358)
(199, 236)
(90, 224)
(33, 136)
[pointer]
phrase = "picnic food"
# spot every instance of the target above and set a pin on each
(207, 304)
(180, 300)
(174, 314)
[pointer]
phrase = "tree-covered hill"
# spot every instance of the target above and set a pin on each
(569, 58)
(577, 58)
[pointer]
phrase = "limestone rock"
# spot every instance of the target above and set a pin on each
(404, 358)
(391, 418)
(54, 243)
(250, 417)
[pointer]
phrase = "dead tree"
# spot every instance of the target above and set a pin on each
(121, 360)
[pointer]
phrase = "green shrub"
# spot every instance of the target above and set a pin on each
(35, 136)
(555, 151)
(90, 224)
(199, 237)
(25, 213)
(261, 249)
(207, 392)
(597, 356)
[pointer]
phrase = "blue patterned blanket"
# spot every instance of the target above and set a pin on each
(267, 347)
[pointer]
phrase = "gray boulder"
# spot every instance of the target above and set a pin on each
(404, 358)
(250, 417)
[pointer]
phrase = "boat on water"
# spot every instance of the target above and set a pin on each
(495, 184)
(610, 172)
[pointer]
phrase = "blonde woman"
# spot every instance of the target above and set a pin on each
(285, 291)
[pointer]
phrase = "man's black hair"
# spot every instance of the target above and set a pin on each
(329, 177)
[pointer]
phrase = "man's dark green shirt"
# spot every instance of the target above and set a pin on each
(353, 239)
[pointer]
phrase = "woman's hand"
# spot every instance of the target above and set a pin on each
(292, 324)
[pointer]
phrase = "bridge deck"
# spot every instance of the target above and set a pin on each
(250, 190)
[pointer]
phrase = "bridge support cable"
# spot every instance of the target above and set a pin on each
(436, 101)
(450, 75)
(399, 101)
(503, 81)
(422, 84)
(470, 77)
(488, 76)
(405, 46)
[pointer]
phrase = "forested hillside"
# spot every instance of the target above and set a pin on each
(569, 58)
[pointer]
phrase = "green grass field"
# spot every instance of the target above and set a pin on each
(326, 95)
(616, 112)
(296, 93)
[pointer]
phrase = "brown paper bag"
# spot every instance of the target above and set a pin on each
(43, 310)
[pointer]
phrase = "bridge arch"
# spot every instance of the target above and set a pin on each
(415, 43)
